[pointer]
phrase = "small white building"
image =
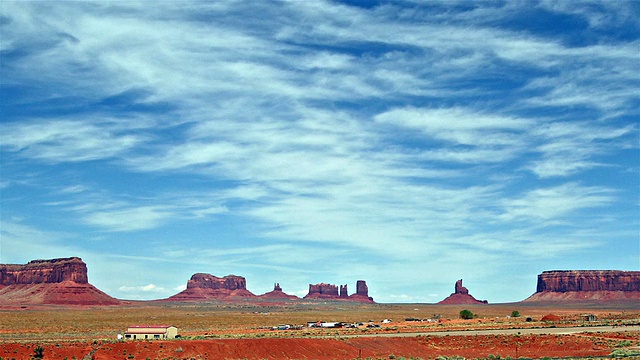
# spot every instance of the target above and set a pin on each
(150, 332)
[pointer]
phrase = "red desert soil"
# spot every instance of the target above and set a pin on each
(300, 348)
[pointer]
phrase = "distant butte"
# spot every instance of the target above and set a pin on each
(277, 293)
(461, 296)
(330, 292)
(593, 285)
(62, 281)
(208, 287)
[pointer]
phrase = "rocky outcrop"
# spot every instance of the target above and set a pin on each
(588, 280)
(362, 292)
(361, 288)
(208, 281)
(344, 293)
(45, 271)
(61, 281)
(459, 289)
(277, 293)
(559, 285)
(330, 292)
(322, 291)
(461, 296)
(208, 287)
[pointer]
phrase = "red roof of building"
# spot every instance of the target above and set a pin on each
(150, 326)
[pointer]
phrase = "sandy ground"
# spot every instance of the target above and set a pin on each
(524, 331)
(227, 331)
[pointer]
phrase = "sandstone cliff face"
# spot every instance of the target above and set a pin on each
(461, 296)
(361, 288)
(208, 281)
(344, 293)
(459, 289)
(330, 292)
(588, 280)
(45, 271)
(594, 285)
(61, 281)
(202, 287)
(323, 291)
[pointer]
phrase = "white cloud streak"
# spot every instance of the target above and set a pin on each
(322, 123)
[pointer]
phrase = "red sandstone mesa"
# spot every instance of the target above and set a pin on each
(322, 291)
(461, 296)
(55, 281)
(45, 271)
(206, 286)
(560, 285)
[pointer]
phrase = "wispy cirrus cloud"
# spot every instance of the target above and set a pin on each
(69, 140)
(555, 203)
(567, 148)
(400, 131)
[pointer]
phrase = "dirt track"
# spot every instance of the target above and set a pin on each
(537, 331)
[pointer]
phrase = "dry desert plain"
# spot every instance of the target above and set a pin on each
(222, 330)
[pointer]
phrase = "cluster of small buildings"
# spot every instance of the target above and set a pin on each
(429, 320)
(330, 325)
(164, 332)
(368, 324)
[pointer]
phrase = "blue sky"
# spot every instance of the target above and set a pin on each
(406, 143)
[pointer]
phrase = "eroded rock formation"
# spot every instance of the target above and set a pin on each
(206, 286)
(362, 292)
(459, 289)
(45, 271)
(588, 280)
(461, 296)
(587, 285)
(344, 293)
(277, 293)
(208, 281)
(322, 291)
(54, 281)
(361, 288)
(330, 291)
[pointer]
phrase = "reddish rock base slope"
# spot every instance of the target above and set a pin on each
(461, 296)
(63, 293)
(57, 281)
(592, 285)
(277, 293)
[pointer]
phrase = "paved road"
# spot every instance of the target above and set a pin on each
(556, 330)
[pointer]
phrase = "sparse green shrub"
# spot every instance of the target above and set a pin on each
(466, 314)
(38, 352)
(515, 313)
(623, 353)
(623, 343)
